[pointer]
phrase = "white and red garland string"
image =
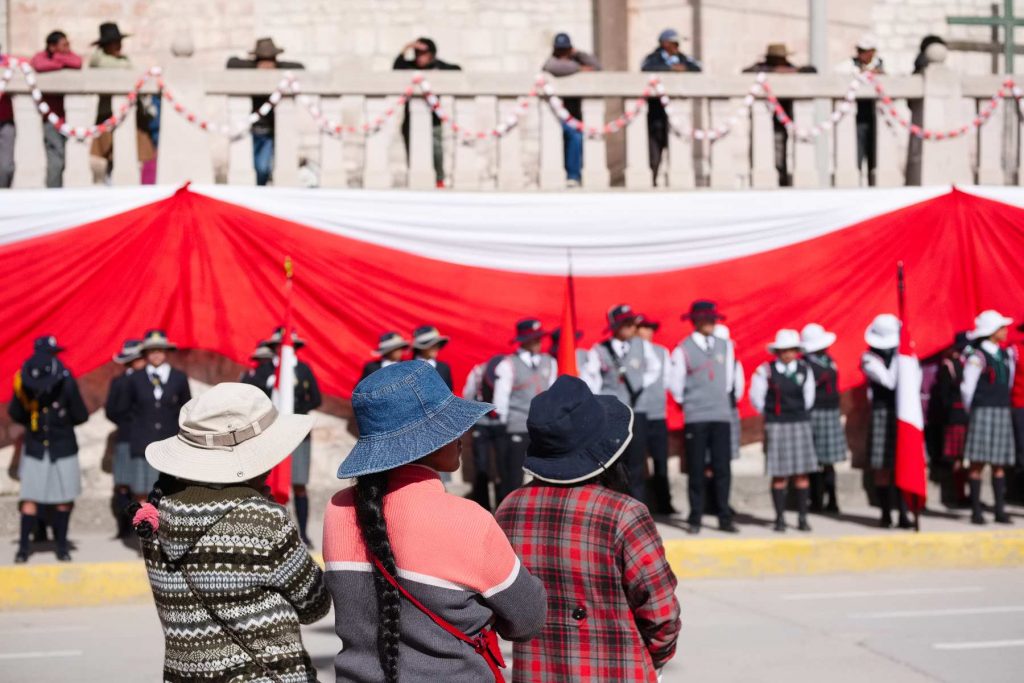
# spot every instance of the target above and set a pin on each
(806, 134)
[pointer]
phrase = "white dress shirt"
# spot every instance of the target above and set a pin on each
(504, 379)
(678, 367)
(653, 367)
(759, 383)
(975, 365)
(876, 370)
(163, 373)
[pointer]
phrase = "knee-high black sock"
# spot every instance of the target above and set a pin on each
(119, 505)
(302, 514)
(901, 504)
(884, 502)
(802, 498)
(830, 488)
(28, 524)
(975, 485)
(61, 519)
(999, 492)
(779, 501)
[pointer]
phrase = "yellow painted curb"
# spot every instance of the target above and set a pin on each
(72, 585)
(732, 559)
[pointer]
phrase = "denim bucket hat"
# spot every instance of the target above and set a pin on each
(575, 435)
(404, 412)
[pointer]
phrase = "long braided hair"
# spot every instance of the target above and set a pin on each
(369, 503)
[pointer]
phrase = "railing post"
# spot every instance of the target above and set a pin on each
(185, 150)
(805, 171)
(29, 157)
(376, 170)
(126, 144)
(680, 150)
(990, 147)
(762, 147)
(510, 149)
(729, 161)
(945, 162)
(332, 147)
(487, 150)
(638, 161)
(241, 170)
(845, 143)
(466, 171)
(421, 145)
(79, 110)
(595, 157)
(552, 155)
(286, 143)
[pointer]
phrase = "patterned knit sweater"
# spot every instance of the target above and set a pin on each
(243, 553)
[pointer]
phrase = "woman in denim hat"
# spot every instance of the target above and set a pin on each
(612, 610)
(419, 576)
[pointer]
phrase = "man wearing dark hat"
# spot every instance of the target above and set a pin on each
(566, 60)
(424, 58)
(152, 399)
(701, 381)
(651, 405)
(107, 55)
(623, 366)
(518, 379)
(129, 474)
(390, 349)
(307, 399)
(48, 404)
(666, 57)
(263, 56)
(427, 343)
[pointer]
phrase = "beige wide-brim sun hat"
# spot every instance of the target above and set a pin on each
(230, 434)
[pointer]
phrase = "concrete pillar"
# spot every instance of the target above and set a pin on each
(240, 163)
(79, 110)
(332, 147)
(552, 159)
(680, 150)
(762, 133)
(126, 146)
(184, 152)
(376, 174)
(421, 146)
(845, 137)
(29, 158)
(510, 149)
(948, 161)
(466, 171)
(595, 161)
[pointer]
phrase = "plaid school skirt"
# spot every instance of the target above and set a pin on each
(883, 438)
(990, 437)
(829, 437)
(789, 449)
(953, 439)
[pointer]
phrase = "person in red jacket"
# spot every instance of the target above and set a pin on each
(56, 56)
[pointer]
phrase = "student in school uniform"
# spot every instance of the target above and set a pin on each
(878, 364)
(735, 394)
(129, 357)
(518, 378)
(987, 381)
(702, 382)
(488, 433)
(652, 404)
(262, 359)
(826, 425)
(48, 404)
(623, 366)
(307, 399)
(152, 399)
(427, 343)
(783, 391)
(946, 404)
(390, 348)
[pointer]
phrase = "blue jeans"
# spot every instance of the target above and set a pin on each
(572, 141)
(263, 157)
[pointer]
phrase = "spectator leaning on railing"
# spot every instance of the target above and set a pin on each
(107, 56)
(566, 60)
(56, 56)
(666, 57)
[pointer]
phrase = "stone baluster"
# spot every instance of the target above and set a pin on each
(487, 149)
(332, 146)
(376, 173)
(421, 145)
(552, 158)
(595, 158)
(845, 142)
(990, 147)
(730, 167)
(466, 171)
(680, 152)
(948, 161)
(79, 110)
(286, 143)
(638, 160)
(510, 149)
(805, 172)
(126, 147)
(240, 161)
(29, 159)
(889, 140)
(184, 152)
(762, 147)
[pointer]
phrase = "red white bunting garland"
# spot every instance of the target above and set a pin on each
(543, 88)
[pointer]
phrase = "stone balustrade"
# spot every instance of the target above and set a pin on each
(530, 156)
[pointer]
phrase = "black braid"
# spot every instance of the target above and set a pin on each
(369, 500)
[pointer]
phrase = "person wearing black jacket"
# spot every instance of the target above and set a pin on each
(666, 57)
(390, 349)
(307, 399)
(129, 477)
(427, 342)
(48, 404)
(424, 58)
(152, 399)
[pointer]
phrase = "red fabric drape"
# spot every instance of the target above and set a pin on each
(208, 272)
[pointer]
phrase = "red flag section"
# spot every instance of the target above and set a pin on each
(283, 396)
(910, 467)
(567, 341)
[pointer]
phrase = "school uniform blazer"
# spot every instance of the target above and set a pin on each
(153, 420)
(59, 413)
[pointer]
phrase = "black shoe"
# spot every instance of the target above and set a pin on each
(978, 518)
(804, 526)
(21, 557)
(817, 507)
(780, 525)
(693, 529)
(905, 523)
(885, 522)
(728, 527)
(832, 507)
(309, 543)
(63, 556)
(1003, 518)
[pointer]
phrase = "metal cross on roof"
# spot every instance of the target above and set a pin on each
(1007, 22)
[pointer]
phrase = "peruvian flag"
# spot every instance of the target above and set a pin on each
(283, 395)
(910, 453)
(567, 342)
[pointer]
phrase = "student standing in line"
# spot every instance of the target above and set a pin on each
(988, 377)
(130, 479)
(783, 391)
(390, 348)
(427, 343)
(488, 434)
(826, 424)
(947, 406)
(652, 405)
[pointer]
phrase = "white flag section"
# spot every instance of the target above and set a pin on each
(909, 379)
(283, 395)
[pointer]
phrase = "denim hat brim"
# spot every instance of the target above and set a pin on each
(592, 458)
(386, 452)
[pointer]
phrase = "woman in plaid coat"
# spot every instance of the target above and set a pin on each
(612, 611)
(783, 391)
(826, 426)
(988, 376)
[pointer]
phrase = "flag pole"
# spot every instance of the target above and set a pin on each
(572, 295)
(901, 286)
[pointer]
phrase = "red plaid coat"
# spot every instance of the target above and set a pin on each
(612, 610)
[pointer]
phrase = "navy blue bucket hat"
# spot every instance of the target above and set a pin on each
(405, 412)
(575, 435)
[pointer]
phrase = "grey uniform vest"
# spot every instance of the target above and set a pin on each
(706, 393)
(613, 382)
(652, 401)
(527, 382)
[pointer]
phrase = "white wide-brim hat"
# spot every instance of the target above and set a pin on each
(785, 339)
(883, 332)
(988, 323)
(815, 338)
(230, 434)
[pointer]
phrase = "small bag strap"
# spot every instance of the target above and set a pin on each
(485, 644)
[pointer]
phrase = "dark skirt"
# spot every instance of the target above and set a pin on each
(829, 437)
(789, 449)
(990, 437)
(47, 481)
(882, 438)
(953, 439)
(300, 462)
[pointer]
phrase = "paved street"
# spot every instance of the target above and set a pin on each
(951, 626)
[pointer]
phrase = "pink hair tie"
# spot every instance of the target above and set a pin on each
(147, 513)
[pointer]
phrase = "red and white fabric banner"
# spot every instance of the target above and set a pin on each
(910, 466)
(204, 263)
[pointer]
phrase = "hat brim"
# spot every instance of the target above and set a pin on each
(105, 40)
(532, 336)
(593, 458)
(714, 315)
(772, 348)
(266, 54)
(826, 340)
(985, 332)
(124, 359)
(248, 459)
(436, 341)
(388, 348)
(388, 451)
(880, 341)
(158, 346)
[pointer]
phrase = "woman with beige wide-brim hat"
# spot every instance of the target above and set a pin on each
(231, 578)
(985, 389)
